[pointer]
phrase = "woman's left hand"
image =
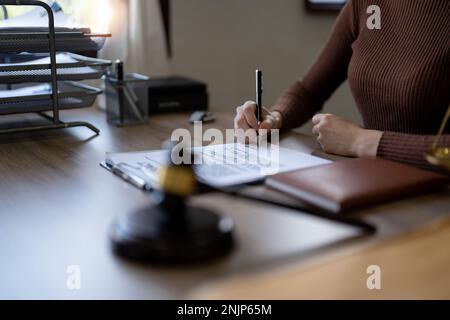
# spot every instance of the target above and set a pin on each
(344, 138)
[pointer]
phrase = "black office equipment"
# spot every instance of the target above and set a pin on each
(171, 232)
(174, 94)
(21, 46)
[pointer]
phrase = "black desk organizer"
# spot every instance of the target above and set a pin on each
(63, 93)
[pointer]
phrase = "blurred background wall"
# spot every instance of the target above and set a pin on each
(222, 42)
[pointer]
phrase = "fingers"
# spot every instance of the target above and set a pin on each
(265, 112)
(316, 130)
(249, 112)
(265, 127)
(241, 126)
(246, 113)
(320, 117)
(316, 119)
(323, 129)
(240, 122)
(320, 122)
(246, 121)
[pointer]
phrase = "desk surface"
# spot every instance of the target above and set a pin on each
(57, 204)
(413, 266)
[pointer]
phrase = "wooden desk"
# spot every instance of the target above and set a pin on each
(57, 204)
(413, 266)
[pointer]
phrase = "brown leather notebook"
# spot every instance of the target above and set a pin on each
(358, 183)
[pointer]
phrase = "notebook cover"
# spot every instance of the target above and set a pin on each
(358, 183)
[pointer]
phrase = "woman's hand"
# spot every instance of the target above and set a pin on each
(344, 138)
(246, 125)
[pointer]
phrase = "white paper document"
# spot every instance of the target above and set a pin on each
(219, 165)
(38, 18)
(61, 58)
(27, 91)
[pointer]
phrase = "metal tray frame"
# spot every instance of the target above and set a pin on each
(55, 122)
(28, 72)
(68, 90)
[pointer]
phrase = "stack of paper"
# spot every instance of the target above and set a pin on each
(220, 165)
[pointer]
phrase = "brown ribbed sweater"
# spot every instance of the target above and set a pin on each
(399, 75)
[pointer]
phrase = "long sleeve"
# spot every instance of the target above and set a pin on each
(306, 97)
(409, 148)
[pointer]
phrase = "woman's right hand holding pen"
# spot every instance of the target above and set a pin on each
(246, 122)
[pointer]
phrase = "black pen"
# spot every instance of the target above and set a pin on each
(119, 70)
(120, 89)
(259, 93)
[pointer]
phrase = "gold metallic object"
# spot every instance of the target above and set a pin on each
(440, 156)
(178, 181)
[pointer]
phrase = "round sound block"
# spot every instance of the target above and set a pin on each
(155, 236)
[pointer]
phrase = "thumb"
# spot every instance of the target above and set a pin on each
(265, 127)
(265, 112)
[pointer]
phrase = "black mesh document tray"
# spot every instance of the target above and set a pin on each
(37, 69)
(71, 95)
(35, 39)
(28, 85)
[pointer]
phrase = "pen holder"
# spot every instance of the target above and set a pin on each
(123, 106)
